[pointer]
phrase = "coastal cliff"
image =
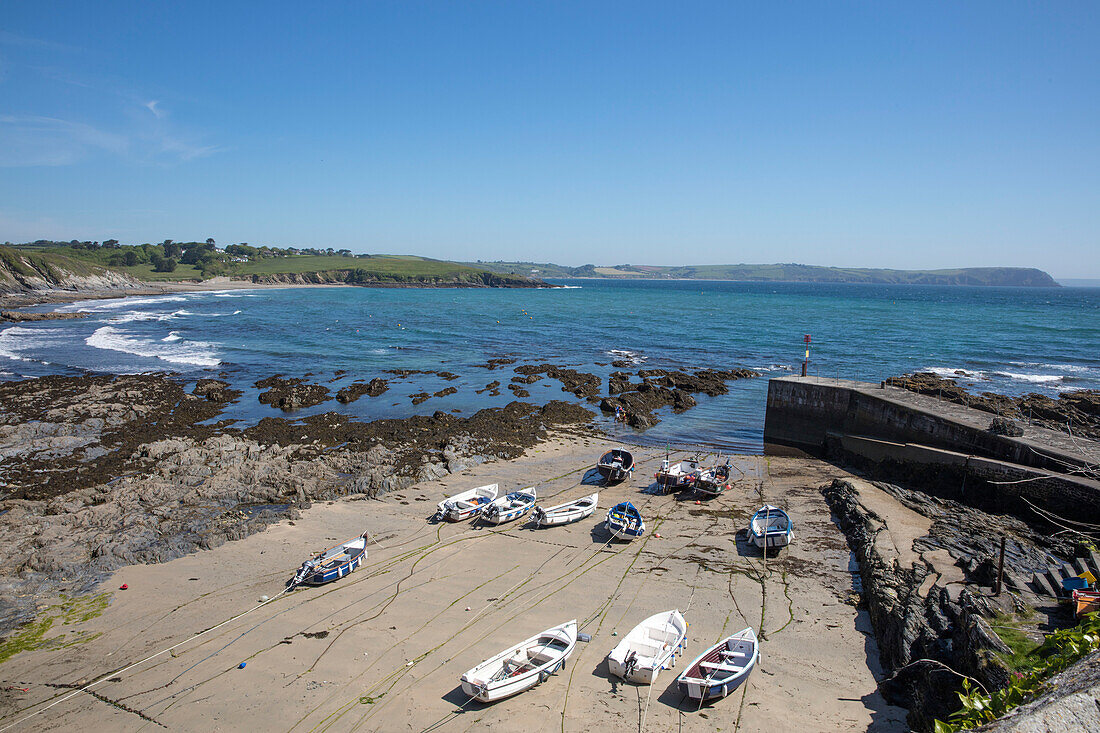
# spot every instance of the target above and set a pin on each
(365, 278)
(27, 272)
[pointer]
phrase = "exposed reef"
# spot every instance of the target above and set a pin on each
(664, 388)
(1077, 411)
(291, 394)
(101, 471)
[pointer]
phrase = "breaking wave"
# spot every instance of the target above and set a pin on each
(195, 353)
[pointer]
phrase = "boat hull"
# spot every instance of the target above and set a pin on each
(704, 692)
(485, 684)
(717, 671)
(654, 645)
(566, 513)
(615, 465)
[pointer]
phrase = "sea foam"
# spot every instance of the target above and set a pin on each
(196, 353)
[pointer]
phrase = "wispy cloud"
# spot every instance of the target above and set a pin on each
(157, 111)
(13, 39)
(27, 140)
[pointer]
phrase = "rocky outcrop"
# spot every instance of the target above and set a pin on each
(20, 316)
(1079, 409)
(215, 390)
(354, 391)
(1072, 704)
(100, 472)
(291, 394)
(927, 636)
(664, 388)
(580, 384)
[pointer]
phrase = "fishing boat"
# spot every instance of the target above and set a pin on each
(625, 522)
(565, 513)
(770, 528)
(721, 669)
(650, 647)
(1086, 601)
(615, 465)
(676, 476)
(509, 507)
(714, 480)
(333, 563)
(522, 666)
(467, 504)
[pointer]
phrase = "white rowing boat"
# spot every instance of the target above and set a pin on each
(509, 507)
(566, 513)
(522, 666)
(467, 504)
(771, 528)
(650, 647)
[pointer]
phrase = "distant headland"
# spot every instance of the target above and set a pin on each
(989, 276)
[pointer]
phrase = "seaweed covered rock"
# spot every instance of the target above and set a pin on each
(291, 394)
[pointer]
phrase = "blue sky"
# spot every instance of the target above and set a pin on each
(910, 135)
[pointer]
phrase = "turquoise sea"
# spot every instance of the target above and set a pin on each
(1010, 340)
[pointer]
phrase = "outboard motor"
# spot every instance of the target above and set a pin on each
(303, 572)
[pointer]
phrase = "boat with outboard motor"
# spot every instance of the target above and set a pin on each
(509, 507)
(333, 563)
(615, 465)
(625, 522)
(650, 647)
(714, 480)
(466, 504)
(676, 476)
(522, 666)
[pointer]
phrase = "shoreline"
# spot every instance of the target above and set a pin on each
(37, 298)
(434, 600)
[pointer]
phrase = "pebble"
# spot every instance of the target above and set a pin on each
(263, 599)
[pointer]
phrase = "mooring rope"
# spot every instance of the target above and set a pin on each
(151, 657)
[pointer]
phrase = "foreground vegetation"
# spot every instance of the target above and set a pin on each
(1033, 669)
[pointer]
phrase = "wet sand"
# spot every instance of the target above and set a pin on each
(383, 649)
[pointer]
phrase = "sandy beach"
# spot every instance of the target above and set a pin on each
(384, 648)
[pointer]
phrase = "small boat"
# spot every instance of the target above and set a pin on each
(467, 504)
(625, 522)
(615, 465)
(714, 480)
(332, 564)
(770, 528)
(650, 647)
(1086, 601)
(678, 476)
(509, 507)
(566, 513)
(721, 669)
(522, 666)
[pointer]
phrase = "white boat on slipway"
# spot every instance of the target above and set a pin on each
(467, 504)
(522, 666)
(509, 507)
(572, 511)
(650, 647)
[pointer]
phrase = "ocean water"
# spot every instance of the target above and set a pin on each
(1010, 340)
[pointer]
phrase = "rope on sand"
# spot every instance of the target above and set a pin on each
(151, 657)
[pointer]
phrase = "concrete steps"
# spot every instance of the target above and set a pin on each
(1050, 582)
